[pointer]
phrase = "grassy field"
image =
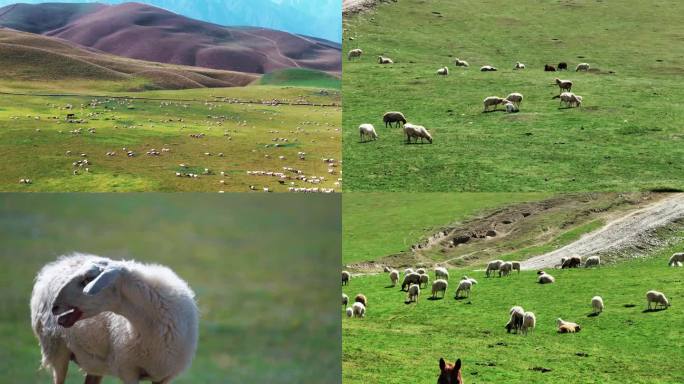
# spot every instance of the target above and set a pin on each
(377, 224)
(35, 137)
(399, 343)
(237, 252)
(626, 136)
(301, 78)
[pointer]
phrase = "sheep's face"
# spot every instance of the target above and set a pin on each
(450, 373)
(90, 291)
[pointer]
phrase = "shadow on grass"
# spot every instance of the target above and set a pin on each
(435, 298)
(593, 314)
(647, 310)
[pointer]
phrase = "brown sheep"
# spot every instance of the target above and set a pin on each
(572, 262)
(361, 298)
(393, 117)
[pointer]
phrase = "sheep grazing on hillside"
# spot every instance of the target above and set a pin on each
(562, 66)
(519, 65)
(361, 298)
(564, 85)
(424, 280)
(449, 373)
(516, 266)
(567, 326)
(140, 319)
(354, 53)
(345, 299)
(582, 67)
(545, 278)
(439, 285)
(570, 99)
(385, 60)
(549, 68)
(411, 278)
(463, 289)
(413, 293)
(515, 322)
(488, 68)
(350, 312)
(441, 273)
(367, 130)
(658, 298)
(465, 277)
(592, 261)
(515, 98)
(359, 309)
(597, 304)
(394, 277)
(572, 262)
(529, 322)
(676, 258)
(492, 101)
(461, 63)
(393, 117)
(345, 277)
(416, 131)
(505, 268)
(444, 71)
(493, 266)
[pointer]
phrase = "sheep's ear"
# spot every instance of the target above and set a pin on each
(457, 365)
(104, 280)
(442, 364)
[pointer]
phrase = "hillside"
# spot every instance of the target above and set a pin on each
(301, 78)
(144, 32)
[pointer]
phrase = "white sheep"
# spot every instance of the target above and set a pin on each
(492, 100)
(408, 271)
(545, 278)
(354, 53)
(140, 319)
(582, 67)
(464, 286)
(676, 258)
(385, 60)
(394, 277)
(416, 131)
(493, 266)
(515, 98)
(567, 326)
(465, 277)
(505, 268)
(413, 293)
(359, 309)
(519, 65)
(570, 99)
(487, 68)
(444, 71)
(350, 312)
(658, 298)
(345, 299)
(511, 107)
(597, 304)
(564, 85)
(439, 285)
(461, 63)
(441, 273)
(367, 130)
(592, 261)
(529, 322)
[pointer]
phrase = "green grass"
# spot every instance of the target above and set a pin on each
(301, 78)
(627, 135)
(244, 133)
(378, 224)
(238, 253)
(399, 343)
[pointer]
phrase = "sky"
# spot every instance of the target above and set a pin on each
(318, 18)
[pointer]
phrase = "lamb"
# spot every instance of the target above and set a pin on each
(367, 130)
(141, 318)
(515, 322)
(354, 53)
(519, 65)
(492, 100)
(562, 66)
(463, 286)
(413, 293)
(487, 68)
(505, 268)
(359, 310)
(511, 107)
(345, 277)
(567, 326)
(570, 99)
(411, 278)
(515, 98)
(416, 131)
(545, 278)
(345, 299)
(439, 285)
(516, 266)
(424, 280)
(564, 85)
(529, 322)
(676, 258)
(658, 298)
(361, 298)
(592, 261)
(394, 277)
(572, 262)
(441, 273)
(350, 312)
(493, 266)
(384, 60)
(597, 304)
(461, 63)
(393, 117)
(444, 71)
(582, 67)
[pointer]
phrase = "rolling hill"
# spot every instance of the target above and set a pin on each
(148, 33)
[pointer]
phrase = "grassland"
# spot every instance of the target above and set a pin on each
(300, 77)
(398, 343)
(626, 136)
(236, 251)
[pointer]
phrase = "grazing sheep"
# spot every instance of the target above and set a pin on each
(570, 99)
(413, 293)
(567, 326)
(359, 309)
(394, 277)
(464, 286)
(469, 278)
(361, 298)
(492, 100)
(529, 322)
(519, 65)
(597, 304)
(515, 322)
(493, 266)
(449, 373)
(461, 63)
(488, 68)
(657, 298)
(441, 273)
(505, 268)
(549, 68)
(516, 266)
(350, 312)
(564, 85)
(515, 98)
(393, 117)
(676, 258)
(444, 71)
(139, 318)
(582, 67)
(345, 299)
(592, 261)
(572, 262)
(416, 131)
(367, 130)
(439, 285)
(354, 53)
(408, 271)
(420, 271)
(562, 66)
(545, 278)
(424, 280)
(411, 278)
(384, 60)
(511, 108)
(345, 277)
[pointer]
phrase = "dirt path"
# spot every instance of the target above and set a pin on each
(634, 231)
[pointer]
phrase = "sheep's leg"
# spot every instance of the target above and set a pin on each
(90, 379)
(60, 365)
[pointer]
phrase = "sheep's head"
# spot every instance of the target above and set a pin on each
(91, 290)
(449, 373)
